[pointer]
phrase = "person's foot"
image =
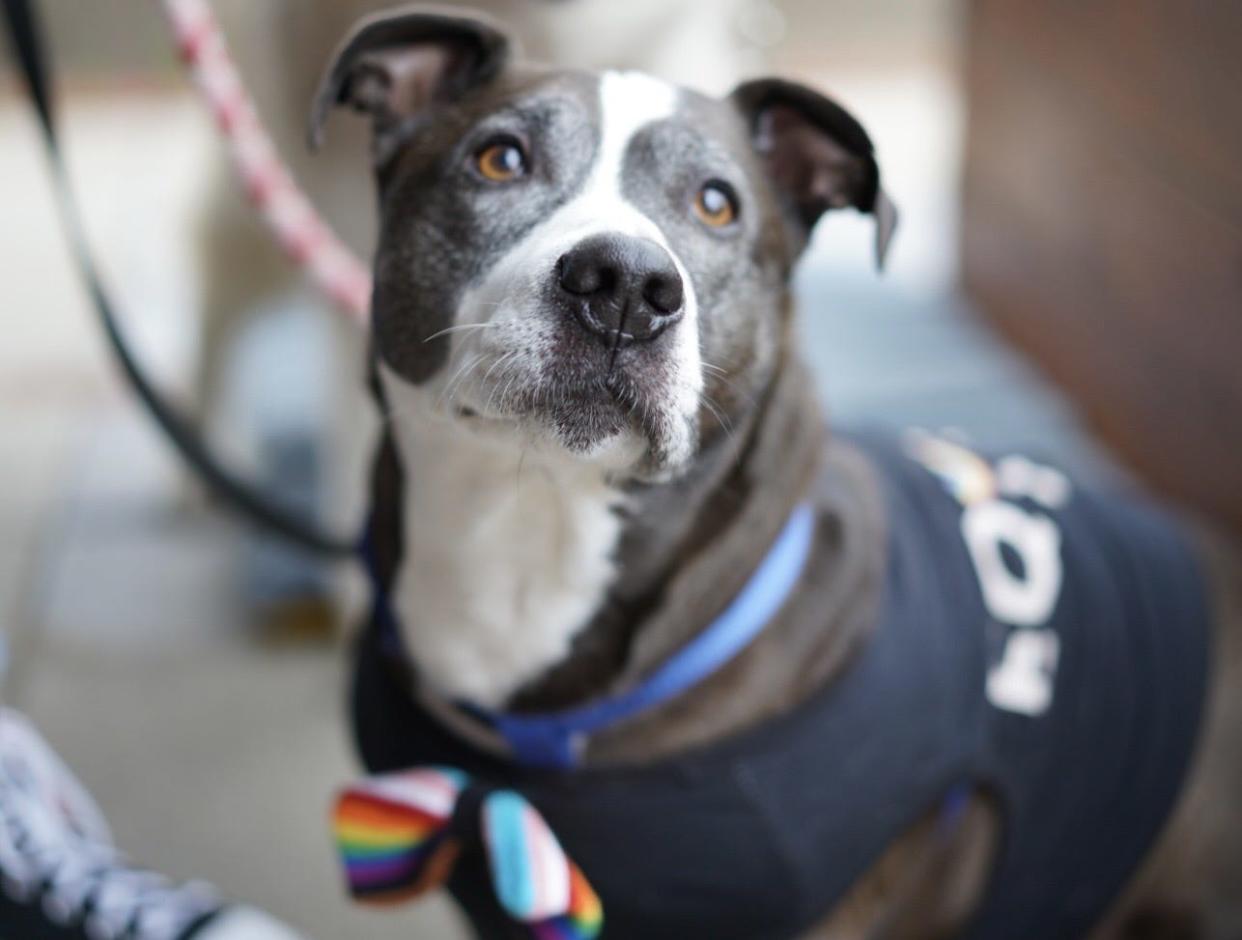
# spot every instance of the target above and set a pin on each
(62, 879)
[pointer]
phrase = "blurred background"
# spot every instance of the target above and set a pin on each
(1067, 278)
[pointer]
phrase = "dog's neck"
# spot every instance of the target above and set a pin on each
(525, 580)
(689, 546)
(506, 552)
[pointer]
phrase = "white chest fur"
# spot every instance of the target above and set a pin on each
(507, 553)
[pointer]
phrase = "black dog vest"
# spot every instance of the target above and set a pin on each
(1050, 645)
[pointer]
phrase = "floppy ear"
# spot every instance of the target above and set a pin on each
(396, 65)
(817, 154)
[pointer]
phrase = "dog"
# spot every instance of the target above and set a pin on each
(957, 696)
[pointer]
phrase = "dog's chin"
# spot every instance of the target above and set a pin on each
(603, 423)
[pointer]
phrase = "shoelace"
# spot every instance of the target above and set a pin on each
(78, 881)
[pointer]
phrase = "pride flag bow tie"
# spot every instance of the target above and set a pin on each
(400, 834)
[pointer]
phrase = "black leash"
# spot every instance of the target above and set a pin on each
(30, 51)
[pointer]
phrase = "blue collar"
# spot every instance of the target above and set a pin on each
(556, 739)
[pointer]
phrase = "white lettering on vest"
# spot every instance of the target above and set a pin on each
(1025, 595)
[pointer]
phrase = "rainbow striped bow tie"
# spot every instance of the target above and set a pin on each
(400, 834)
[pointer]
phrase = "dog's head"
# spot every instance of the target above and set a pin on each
(592, 263)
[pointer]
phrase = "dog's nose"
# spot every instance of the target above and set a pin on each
(622, 289)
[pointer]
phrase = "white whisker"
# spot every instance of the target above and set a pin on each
(711, 406)
(502, 361)
(723, 376)
(446, 394)
(459, 328)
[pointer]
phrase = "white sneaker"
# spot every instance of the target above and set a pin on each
(61, 878)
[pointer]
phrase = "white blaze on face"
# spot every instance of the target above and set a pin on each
(508, 298)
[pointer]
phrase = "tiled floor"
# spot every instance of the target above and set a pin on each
(216, 756)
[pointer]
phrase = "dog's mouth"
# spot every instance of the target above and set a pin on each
(611, 415)
(576, 410)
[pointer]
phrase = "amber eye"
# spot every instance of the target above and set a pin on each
(716, 205)
(501, 161)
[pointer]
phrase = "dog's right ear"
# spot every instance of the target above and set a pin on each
(396, 65)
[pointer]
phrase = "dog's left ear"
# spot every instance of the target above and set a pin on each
(817, 154)
(397, 65)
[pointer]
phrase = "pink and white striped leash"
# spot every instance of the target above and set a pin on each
(305, 237)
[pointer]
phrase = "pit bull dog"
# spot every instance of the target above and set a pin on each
(760, 680)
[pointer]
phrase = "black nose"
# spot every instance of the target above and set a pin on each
(621, 288)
